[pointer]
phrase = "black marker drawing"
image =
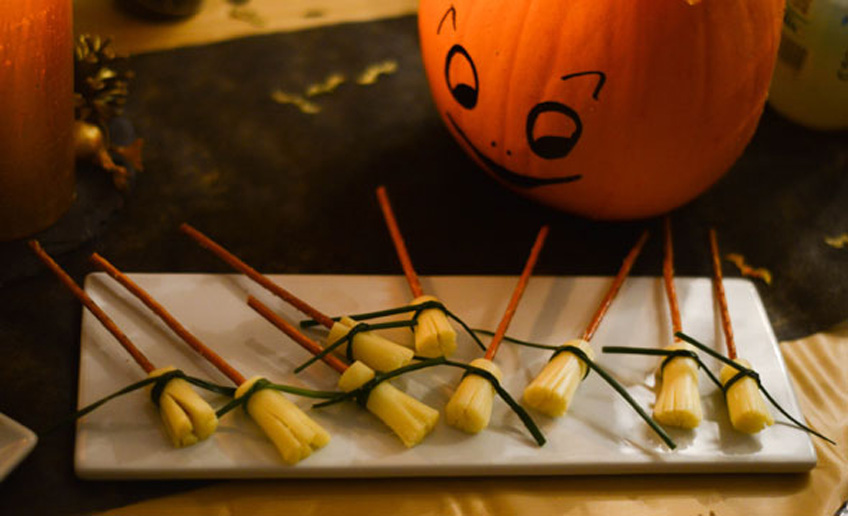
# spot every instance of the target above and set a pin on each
(602, 79)
(555, 147)
(547, 147)
(463, 93)
(452, 12)
(504, 173)
(552, 147)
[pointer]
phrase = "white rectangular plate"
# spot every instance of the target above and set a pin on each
(600, 434)
(16, 441)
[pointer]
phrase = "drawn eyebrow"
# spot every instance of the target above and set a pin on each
(602, 78)
(452, 12)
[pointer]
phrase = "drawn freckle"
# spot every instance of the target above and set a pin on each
(509, 153)
(494, 144)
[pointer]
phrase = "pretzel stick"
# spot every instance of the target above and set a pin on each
(400, 246)
(626, 265)
(668, 278)
(93, 307)
(517, 293)
(234, 262)
(168, 319)
(718, 285)
(295, 335)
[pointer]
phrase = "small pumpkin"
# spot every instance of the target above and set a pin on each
(604, 108)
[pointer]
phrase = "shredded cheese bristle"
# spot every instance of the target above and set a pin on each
(552, 390)
(187, 417)
(470, 407)
(679, 401)
(294, 434)
(375, 351)
(407, 417)
(745, 404)
(434, 335)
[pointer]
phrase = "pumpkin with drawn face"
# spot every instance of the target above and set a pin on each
(608, 109)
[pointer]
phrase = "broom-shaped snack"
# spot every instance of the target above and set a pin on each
(434, 335)
(186, 416)
(743, 390)
(410, 419)
(741, 372)
(348, 336)
(564, 381)
(678, 403)
(294, 434)
(751, 413)
(470, 407)
(552, 390)
(745, 405)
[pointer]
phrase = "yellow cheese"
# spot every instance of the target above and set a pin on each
(355, 376)
(552, 390)
(408, 418)
(377, 352)
(187, 417)
(745, 404)
(470, 407)
(294, 434)
(679, 401)
(434, 335)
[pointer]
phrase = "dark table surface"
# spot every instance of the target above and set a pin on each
(294, 193)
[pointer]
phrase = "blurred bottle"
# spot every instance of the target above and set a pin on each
(810, 84)
(162, 8)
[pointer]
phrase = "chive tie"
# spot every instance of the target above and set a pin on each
(743, 372)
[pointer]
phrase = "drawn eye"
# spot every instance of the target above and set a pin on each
(461, 76)
(556, 118)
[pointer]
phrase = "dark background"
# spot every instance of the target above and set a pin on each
(294, 193)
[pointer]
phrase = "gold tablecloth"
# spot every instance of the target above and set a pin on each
(818, 366)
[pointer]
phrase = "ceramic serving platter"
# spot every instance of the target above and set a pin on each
(16, 441)
(600, 434)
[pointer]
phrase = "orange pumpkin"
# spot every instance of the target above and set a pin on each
(612, 109)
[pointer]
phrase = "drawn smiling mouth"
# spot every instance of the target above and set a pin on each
(504, 173)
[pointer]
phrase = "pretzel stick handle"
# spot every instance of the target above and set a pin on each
(718, 286)
(668, 278)
(93, 307)
(400, 245)
(517, 293)
(234, 262)
(626, 265)
(304, 341)
(160, 311)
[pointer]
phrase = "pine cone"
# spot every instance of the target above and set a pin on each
(101, 80)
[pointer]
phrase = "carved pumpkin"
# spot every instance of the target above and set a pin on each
(609, 109)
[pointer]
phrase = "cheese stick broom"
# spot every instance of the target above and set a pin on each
(349, 336)
(294, 434)
(470, 407)
(186, 416)
(434, 335)
(678, 403)
(410, 419)
(552, 390)
(741, 385)
(745, 404)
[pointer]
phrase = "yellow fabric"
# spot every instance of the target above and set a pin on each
(217, 20)
(817, 366)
